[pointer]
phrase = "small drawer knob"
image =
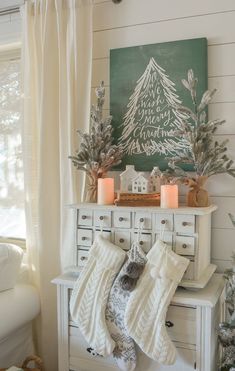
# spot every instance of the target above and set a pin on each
(101, 217)
(83, 238)
(169, 324)
(185, 224)
(141, 220)
(83, 217)
(163, 221)
(121, 240)
(141, 243)
(83, 258)
(92, 352)
(121, 219)
(184, 245)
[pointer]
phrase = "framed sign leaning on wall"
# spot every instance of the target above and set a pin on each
(145, 86)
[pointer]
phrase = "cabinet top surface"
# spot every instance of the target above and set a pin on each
(208, 296)
(156, 209)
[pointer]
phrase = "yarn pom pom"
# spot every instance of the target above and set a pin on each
(134, 270)
(127, 283)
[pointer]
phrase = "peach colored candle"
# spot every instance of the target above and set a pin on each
(169, 196)
(105, 191)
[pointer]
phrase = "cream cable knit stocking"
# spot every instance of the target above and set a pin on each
(90, 294)
(146, 309)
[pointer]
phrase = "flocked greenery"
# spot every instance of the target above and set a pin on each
(207, 155)
(97, 153)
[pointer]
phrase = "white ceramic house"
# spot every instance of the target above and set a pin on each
(140, 184)
(126, 178)
(155, 180)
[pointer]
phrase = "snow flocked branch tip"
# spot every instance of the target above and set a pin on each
(97, 154)
(207, 155)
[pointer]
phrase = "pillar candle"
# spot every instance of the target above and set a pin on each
(169, 196)
(105, 191)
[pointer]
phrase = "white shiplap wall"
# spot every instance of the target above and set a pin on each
(139, 22)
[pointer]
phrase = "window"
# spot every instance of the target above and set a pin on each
(12, 216)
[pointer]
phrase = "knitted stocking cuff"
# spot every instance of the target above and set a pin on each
(166, 263)
(106, 253)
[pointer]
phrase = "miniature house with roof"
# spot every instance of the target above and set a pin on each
(140, 184)
(133, 182)
(126, 178)
(155, 180)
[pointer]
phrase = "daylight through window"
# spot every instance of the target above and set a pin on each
(12, 218)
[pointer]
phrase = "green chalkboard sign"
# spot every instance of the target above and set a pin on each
(145, 84)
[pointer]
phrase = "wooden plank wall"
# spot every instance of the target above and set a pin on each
(138, 22)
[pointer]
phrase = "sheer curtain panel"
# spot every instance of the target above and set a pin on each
(57, 47)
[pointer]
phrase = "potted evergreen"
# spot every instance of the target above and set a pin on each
(97, 155)
(207, 156)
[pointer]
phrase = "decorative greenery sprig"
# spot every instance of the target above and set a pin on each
(97, 154)
(207, 156)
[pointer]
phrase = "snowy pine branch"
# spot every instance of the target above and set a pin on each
(208, 156)
(97, 154)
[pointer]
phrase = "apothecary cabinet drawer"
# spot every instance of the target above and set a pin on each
(121, 219)
(143, 220)
(82, 258)
(185, 245)
(85, 217)
(84, 237)
(102, 219)
(181, 324)
(164, 222)
(122, 239)
(185, 223)
(145, 241)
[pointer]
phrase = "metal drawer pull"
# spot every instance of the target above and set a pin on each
(141, 243)
(83, 238)
(141, 220)
(163, 221)
(169, 324)
(185, 224)
(93, 352)
(84, 258)
(184, 246)
(121, 240)
(83, 217)
(101, 217)
(121, 219)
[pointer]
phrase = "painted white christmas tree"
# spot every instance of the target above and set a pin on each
(150, 122)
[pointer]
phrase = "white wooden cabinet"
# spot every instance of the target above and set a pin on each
(192, 321)
(193, 315)
(186, 230)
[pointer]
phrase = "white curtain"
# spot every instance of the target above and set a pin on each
(57, 47)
